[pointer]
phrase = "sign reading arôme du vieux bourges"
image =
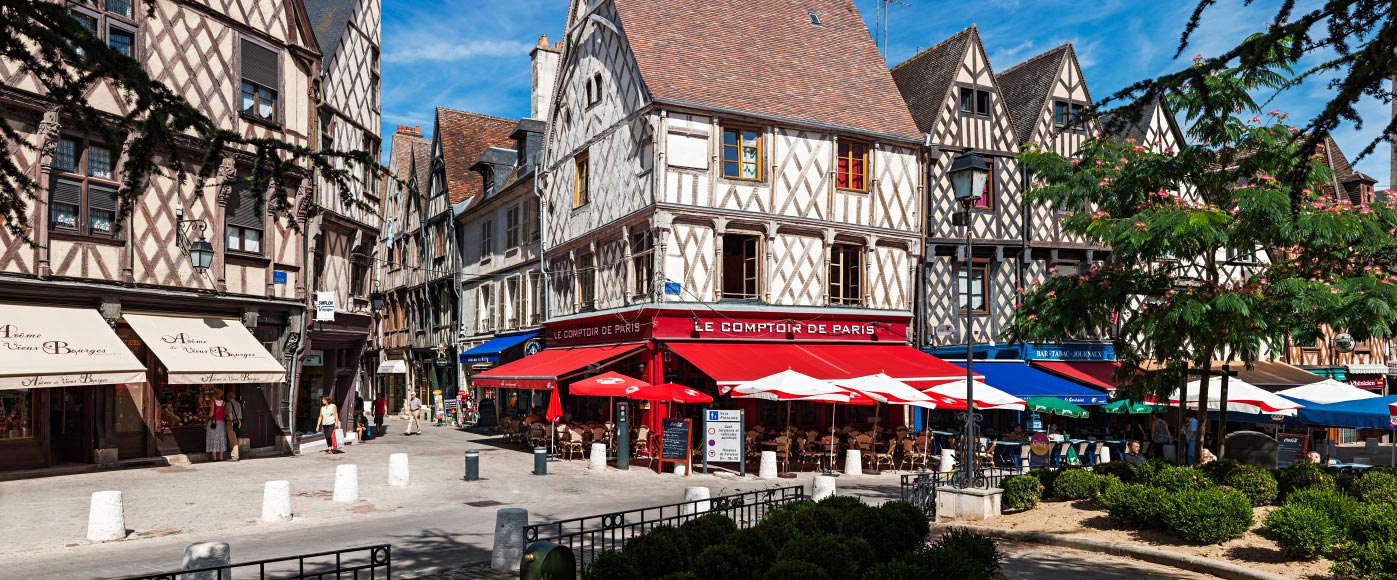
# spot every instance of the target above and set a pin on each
(694, 325)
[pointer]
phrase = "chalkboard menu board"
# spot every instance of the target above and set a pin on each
(675, 442)
(1290, 448)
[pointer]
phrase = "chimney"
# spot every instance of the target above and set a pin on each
(406, 130)
(544, 61)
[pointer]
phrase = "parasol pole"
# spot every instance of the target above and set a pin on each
(832, 415)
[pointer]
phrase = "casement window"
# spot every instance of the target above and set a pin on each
(1065, 113)
(245, 222)
(846, 274)
(852, 167)
(511, 227)
(261, 79)
(359, 271)
(1240, 256)
(742, 259)
(487, 307)
(974, 101)
(111, 21)
(514, 287)
(742, 153)
(642, 264)
(531, 220)
(586, 280)
(487, 240)
(986, 201)
(974, 286)
(438, 245)
(581, 194)
(536, 305)
(82, 196)
(593, 90)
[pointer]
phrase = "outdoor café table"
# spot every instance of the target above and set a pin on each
(1008, 450)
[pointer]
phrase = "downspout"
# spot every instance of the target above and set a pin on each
(295, 374)
(542, 230)
(460, 306)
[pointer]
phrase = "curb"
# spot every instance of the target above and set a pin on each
(1151, 555)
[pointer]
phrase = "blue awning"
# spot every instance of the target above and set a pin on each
(489, 351)
(1023, 381)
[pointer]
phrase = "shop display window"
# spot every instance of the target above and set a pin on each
(17, 414)
(184, 406)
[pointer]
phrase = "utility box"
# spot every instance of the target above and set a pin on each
(546, 560)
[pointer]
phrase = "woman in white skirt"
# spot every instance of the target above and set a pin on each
(215, 439)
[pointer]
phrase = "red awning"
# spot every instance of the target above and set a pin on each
(541, 371)
(606, 385)
(1090, 373)
(732, 363)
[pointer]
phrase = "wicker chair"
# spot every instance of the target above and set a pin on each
(911, 455)
(876, 459)
(573, 445)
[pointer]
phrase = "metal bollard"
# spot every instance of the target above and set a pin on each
(540, 461)
(472, 465)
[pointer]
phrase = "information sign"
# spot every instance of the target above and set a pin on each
(722, 437)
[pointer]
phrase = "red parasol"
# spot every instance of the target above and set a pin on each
(555, 407)
(669, 392)
(609, 384)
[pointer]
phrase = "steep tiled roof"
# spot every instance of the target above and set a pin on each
(329, 18)
(464, 136)
(422, 156)
(1025, 88)
(925, 78)
(401, 147)
(767, 58)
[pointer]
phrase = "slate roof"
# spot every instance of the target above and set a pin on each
(422, 156)
(1025, 88)
(329, 18)
(766, 58)
(497, 156)
(1117, 124)
(925, 79)
(464, 136)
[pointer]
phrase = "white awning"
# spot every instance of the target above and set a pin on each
(1366, 369)
(392, 367)
(50, 346)
(206, 350)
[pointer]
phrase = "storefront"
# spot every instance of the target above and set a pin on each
(1369, 377)
(392, 382)
(502, 349)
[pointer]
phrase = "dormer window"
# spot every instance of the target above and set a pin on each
(974, 101)
(489, 175)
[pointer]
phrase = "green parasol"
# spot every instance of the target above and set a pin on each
(1056, 406)
(1127, 406)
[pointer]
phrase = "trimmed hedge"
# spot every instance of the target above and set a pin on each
(1021, 492)
(1367, 561)
(829, 553)
(1208, 516)
(1104, 482)
(1135, 505)
(1302, 476)
(978, 552)
(1377, 487)
(1219, 469)
(659, 552)
(788, 569)
(1121, 469)
(707, 530)
(1258, 484)
(1373, 523)
(1074, 484)
(1303, 531)
(1175, 478)
(613, 565)
(724, 562)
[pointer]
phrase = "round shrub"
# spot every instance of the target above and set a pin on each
(795, 506)
(611, 565)
(1258, 484)
(861, 553)
(1047, 477)
(1373, 523)
(1208, 516)
(723, 562)
(1303, 531)
(1121, 469)
(1302, 476)
(756, 545)
(1021, 492)
(1377, 487)
(894, 528)
(1218, 470)
(841, 502)
(1367, 561)
(826, 552)
(789, 569)
(1180, 479)
(1074, 484)
(1134, 505)
(1339, 507)
(979, 550)
(946, 563)
(680, 576)
(895, 570)
(818, 521)
(660, 551)
(779, 526)
(707, 530)
(1103, 482)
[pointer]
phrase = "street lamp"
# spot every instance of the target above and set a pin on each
(376, 300)
(968, 173)
(200, 250)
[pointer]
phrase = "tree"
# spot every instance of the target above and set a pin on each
(160, 128)
(1171, 220)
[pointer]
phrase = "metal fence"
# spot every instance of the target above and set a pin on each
(590, 535)
(920, 489)
(366, 563)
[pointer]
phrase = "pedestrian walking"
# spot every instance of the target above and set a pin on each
(234, 417)
(380, 409)
(329, 422)
(1160, 436)
(414, 415)
(216, 438)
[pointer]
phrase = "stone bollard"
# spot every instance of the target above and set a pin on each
(681, 470)
(698, 494)
(948, 461)
(598, 458)
(853, 462)
(397, 470)
(768, 465)
(509, 538)
(824, 487)
(207, 555)
(106, 518)
(276, 501)
(347, 483)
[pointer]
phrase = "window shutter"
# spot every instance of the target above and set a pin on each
(243, 211)
(260, 65)
(66, 192)
(99, 197)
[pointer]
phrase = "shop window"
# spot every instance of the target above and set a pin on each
(587, 280)
(17, 414)
(846, 274)
(974, 287)
(82, 197)
(183, 406)
(642, 263)
(741, 266)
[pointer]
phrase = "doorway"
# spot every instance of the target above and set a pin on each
(70, 424)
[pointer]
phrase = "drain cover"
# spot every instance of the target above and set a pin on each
(484, 503)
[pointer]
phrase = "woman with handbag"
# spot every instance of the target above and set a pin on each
(329, 422)
(215, 439)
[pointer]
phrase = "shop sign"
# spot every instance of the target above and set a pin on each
(315, 358)
(735, 326)
(533, 347)
(1372, 382)
(325, 306)
(1392, 368)
(279, 277)
(1070, 351)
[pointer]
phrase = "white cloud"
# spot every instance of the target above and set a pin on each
(445, 50)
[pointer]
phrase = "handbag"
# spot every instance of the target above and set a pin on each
(213, 425)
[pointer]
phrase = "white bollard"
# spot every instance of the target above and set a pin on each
(397, 470)
(106, 518)
(509, 538)
(768, 465)
(207, 555)
(698, 494)
(598, 459)
(824, 487)
(948, 461)
(276, 501)
(681, 470)
(853, 462)
(347, 483)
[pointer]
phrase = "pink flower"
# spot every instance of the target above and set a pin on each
(1052, 293)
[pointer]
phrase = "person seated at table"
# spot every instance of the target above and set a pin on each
(1132, 453)
(1313, 457)
(534, 417)
(1054, 435)
(1206, 457)
(1016, 435)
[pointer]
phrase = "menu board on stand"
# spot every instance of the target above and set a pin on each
(674, 444)
(1290, 448)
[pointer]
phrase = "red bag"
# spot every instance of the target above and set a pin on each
(335, 439)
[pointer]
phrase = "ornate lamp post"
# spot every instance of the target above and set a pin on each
(200, 250)
(968, 174)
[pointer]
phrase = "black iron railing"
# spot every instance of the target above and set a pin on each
(366, 563)
(588, 536)
(920, 489)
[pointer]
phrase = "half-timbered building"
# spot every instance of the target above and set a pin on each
(409, 165)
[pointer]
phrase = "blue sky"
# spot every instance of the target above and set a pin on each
(473, 55)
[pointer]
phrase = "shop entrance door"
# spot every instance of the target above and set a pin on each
(70, 424)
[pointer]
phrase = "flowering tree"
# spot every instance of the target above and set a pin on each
(1210, 256)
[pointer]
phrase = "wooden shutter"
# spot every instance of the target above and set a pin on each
(260, 65)
(100, 197)
(244, 210)
(66, 192)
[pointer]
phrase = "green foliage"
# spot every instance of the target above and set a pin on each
(756, 545)
(1074, 484)
(1339, 507)
(681, 576)
(724, 562)
(1377, 487)
(1375, 560)
(780, 526)
(1174, 478)
(660, 551)
(1047, 477)
(895, 570)
(707, 530)
(975, 548)
(947, 563)
(613, 565)
(1104, 482)
(1208, 516)
(1121, 469)
(893, 528)
(819, 520)
(1258, 484)
(1373, 523)
(1302, 476)
(1135, 505)
(842, 503)
(1218, 470)
(1303, 531)
(795, 570)
(828, 553)
(1021, 492)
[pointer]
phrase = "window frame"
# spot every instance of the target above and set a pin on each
(642, 263)
(840, 291)
(487, 307)
(240, 192)
(81, 175)
(487, 239)
(987, 201)
(512, 224)
(103, 18)
(243, 83)
(756, 260)
(586, 280)
(843, 166)
(1240, 256)
(963, 299)
(969, 98)
(740, 147)
(581, 180)
(1062, 113)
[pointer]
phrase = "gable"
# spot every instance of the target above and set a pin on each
(987, 132)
